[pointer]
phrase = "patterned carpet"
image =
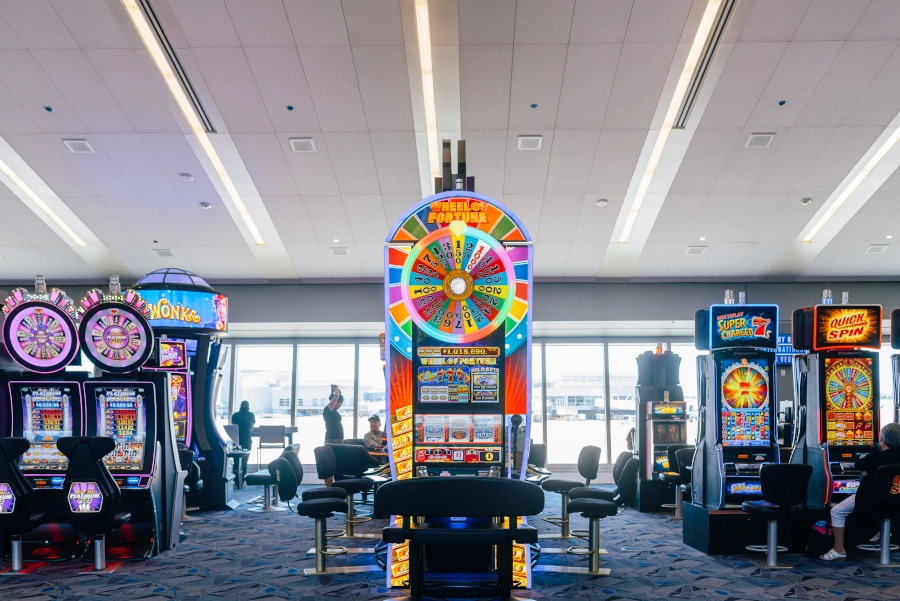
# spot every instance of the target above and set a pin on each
(249, 556)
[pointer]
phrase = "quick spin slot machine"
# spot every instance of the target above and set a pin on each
(839, 394)
(134, 408)
(44, 404)
(458, 353)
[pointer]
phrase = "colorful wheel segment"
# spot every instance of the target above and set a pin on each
(745, 387)
(849, 384)
(458, 284)
(40, 336)
(115, 337)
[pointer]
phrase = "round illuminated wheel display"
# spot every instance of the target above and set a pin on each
(115, 337)
(458, 283)
(40, 337)
(745, 386)
(848, 384)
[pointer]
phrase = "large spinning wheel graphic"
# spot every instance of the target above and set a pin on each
(745, 386)
(458, 283)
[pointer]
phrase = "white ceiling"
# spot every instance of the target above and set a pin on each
(597, 69)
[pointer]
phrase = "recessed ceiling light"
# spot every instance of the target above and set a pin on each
(534, 106)
(805, 201)
(290, 107)
(186, 177)
(602, 202)
(205, 205)
(702, 238)
(335, 240)
(49, 109)
(888, 237)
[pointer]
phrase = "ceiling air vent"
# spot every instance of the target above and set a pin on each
(303, 145)
(164, 252)
(759, 140)
(530, 142)
(877, 249)
(79, 146)
(695, 250)
(340, 251)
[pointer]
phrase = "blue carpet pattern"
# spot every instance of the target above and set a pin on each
(239, 555)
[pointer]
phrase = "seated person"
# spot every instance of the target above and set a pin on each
(865, 498)
(374, 438)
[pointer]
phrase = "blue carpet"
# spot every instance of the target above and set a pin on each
(241, 555)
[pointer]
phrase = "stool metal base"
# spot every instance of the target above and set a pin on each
(26, 568)
(574, 550)
(883, 548)
(349, 550)
(269, 509)
(571, 570)
(771, 549)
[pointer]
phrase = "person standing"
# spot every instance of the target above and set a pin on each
(244, 420)
(334, 431)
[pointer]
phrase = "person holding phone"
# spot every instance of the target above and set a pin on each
(334, 431)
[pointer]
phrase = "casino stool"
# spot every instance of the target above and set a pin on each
(784, 489)
(588, 464)
(320, 509)
(354, 461)
(594, 510)
(86, 467)
(887, 483)
(193, 483)
(583, 493)
(268, 480)
(327, 467)
(21, 518)
(680, 458)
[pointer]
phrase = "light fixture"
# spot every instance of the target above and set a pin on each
(424, 36)
(681, 88)
(39, 202)
(805, 201)
(888, 236)
(159, 58)
(602, 202)
(702, 238)
(335, 240)
(205, 205)
(851, 187)
(186, 177)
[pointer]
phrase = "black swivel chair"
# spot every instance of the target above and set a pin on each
(616, 495)
(327, 467)
(588, 465)
(357, 441)
(887, 483)
(92, 494)
(679, 459)
(784, 488)
(17, 515)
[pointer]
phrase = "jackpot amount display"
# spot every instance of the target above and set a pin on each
(745, 403)
(849, 415)
(48, 417)
(121, 416)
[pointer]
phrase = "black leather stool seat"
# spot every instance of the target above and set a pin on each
(322, 508)
(593, 508)
(34, 520)
(354, 485)
(121, 517)
(764, 509)
(591, 493)
(323, 492)
(260, 479)
(560, 485)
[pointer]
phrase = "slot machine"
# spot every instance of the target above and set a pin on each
(42, 404)
(895, 362)
(838, 393)
(132, 406)
(661, 424)
(739, 410)
(186, 313)
(458, 355)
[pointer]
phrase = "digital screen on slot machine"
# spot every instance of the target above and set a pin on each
(660, 462)
(178, 388)
(459, 373)
(458, 455)
(744, 487)
(745, 404)
(47, 415)
(122, 415)
(458, 429)
(844, 487)
(849, 398)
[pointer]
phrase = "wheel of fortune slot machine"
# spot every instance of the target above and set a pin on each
(457, 289)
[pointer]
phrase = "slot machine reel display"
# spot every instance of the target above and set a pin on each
(458, 346)
(45, 403)
(737, 434)
(134, 408)
(840, 379)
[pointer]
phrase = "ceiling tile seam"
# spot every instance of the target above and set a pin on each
(800, 21)
(561, 82)
(896, 52)
(811, 164)
(355, 75)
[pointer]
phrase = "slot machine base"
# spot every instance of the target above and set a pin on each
(731, 531)
(652, 495)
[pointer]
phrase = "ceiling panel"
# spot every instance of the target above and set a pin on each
(753, 216)
(241, 262)
(587, 83)
(711, 221)
(25, 79)
(559, 217)
(617, 154)
(773, 20)
(881, 21)
(486, 160)
(354, 165)
(653, 21)
(526, 170)
(329, 220)
(373, 22)
(204, 23)
(704, 158)
(829, 20)
(788, 221)
(880, 103)
(584, 261)
(485, 75)
(571, 160)
(595, 224)
(384, 87)
(838, 157)
(14, 119)
(98, 170)
(597, 21)
(744, 165)
(396, 162)
(527, 207)
(260, 22)
(51, 165)
(312, 171)
(639, 81)
(229, 79)
(264, 158)
(309, 260)
(91, 23)
(175, 156)
(216, 222)
(281, 81)
(757, 263)
(136, 163)
(291, 219)
(334, 87)
(795, 154)
(723, 258)
(366, 217)
(675, 217)
(317, 22)
(8, 38)
(655, 259)
(487, 22)
(36, 24)
(540, 22)
(550, 260)
(536, 80)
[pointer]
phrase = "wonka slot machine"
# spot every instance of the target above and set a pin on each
(839, 394)
(458, 353)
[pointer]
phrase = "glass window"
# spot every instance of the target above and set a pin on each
(886, 384)
(574, 370)
(318, 367)
(223, 392)
(263, 377)
(537, 403)
(623, 375)
(371, 388)
(688, 377)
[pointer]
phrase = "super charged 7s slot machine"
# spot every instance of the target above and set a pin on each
(458, 352)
